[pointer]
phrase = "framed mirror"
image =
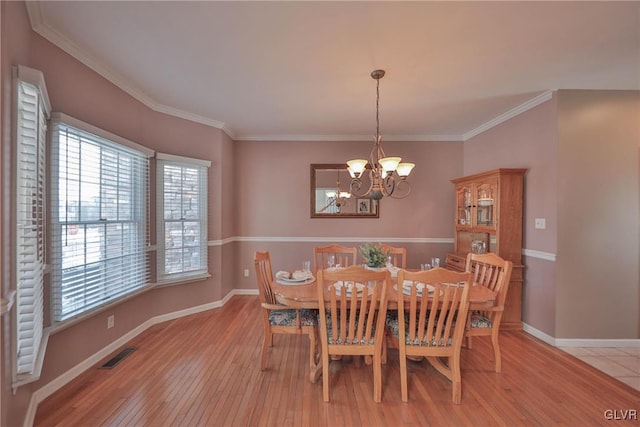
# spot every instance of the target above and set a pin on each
(330, 196)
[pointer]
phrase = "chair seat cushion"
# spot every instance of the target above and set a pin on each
(478, 320)
(348, 342)
(287, 317)
(393, 326)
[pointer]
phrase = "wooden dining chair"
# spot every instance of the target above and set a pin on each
(398, 255)
(344, 256)
(280, 319)
(493, 272)
(353, 305)
(434, 304)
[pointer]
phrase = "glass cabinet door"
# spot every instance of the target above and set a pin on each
(463, 205)
(485, 194)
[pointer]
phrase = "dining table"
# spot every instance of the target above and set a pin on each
(304, 294)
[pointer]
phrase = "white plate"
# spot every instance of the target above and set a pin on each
(350, 292)
(407, 289)
(285, 281)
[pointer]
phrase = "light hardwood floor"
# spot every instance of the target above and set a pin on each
(204, 370)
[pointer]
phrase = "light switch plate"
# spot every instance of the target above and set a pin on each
(541, 223)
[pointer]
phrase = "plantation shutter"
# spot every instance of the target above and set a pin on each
(32, 111)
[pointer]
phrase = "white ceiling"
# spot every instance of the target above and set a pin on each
(300, 70)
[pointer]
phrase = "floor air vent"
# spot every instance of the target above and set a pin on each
(118, 358)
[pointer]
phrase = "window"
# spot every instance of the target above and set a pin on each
(32, 109)
(99, 217)
(182, 217)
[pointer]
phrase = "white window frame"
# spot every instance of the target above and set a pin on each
(117, 266)
(29, 235)
(191, 272)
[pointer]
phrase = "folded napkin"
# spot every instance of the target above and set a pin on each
(393, 270)
(348, 285)
(301, 275)
(283, 275)
(296, 275)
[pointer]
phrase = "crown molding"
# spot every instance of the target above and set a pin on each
(533, 102)
(314, 239)
(348, 138)
(40, 26)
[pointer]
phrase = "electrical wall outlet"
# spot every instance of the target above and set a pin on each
(541, 223)
(246, 272)
(111, 321)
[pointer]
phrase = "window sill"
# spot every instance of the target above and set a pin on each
(182, 280)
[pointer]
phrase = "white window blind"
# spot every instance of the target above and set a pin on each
(99, 217)
(31, 113)
(182, 217)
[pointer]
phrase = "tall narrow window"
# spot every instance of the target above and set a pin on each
(182, 217)
(32, 109)
(99, 217)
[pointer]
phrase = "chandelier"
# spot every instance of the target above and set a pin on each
(386, 174)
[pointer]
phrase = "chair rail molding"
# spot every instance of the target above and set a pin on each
(532, 253)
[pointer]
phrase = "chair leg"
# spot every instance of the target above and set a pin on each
(325, 376)
(377, 379)
(403, 376)
(267, 342)
(496, 350)
(456, 380)
(384, 348)
(313, 355)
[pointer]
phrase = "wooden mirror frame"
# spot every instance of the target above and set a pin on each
(351, 210)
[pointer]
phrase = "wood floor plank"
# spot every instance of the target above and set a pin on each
(204, 370)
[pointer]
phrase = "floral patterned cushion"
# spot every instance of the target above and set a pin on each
(394, 328)
(340, 341)
(288, 317)
(308, 317)
(480, 321)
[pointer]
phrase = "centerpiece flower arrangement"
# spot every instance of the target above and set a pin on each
(373, 254)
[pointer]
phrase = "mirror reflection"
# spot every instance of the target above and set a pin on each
(331, 198)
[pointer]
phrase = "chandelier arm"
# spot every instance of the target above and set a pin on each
(404, 188)
(356, 185)
(388, 185)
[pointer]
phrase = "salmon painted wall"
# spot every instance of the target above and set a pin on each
(576, 144)
(530, 141)
(76, 90)
(273, 202)
(598, 283)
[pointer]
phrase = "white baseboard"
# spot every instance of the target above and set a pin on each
(579, 342)
(539, 334)
(48, 389)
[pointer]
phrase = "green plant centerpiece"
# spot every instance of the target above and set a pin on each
(373, 254)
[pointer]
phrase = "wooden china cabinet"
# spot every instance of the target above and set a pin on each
(488, 218)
